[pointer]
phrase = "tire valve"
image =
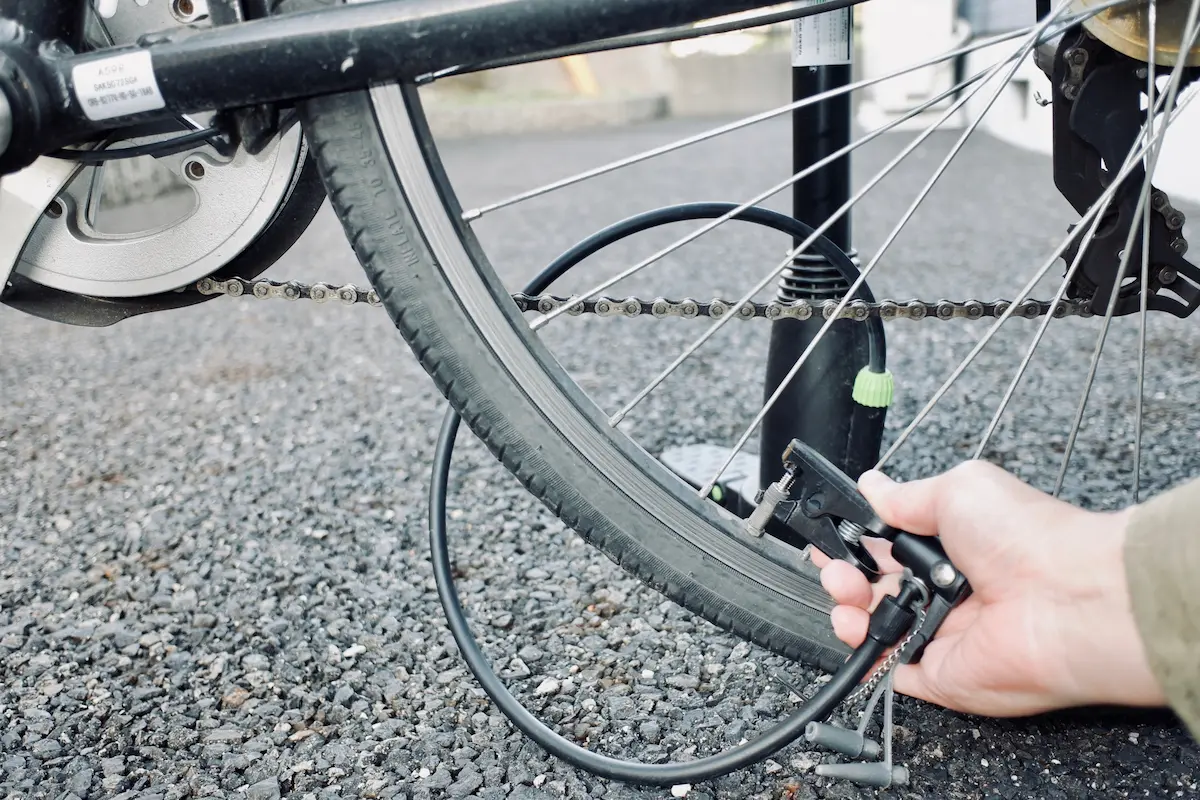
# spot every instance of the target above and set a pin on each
(770, 499)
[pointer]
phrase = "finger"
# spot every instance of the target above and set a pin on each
(910, 506)
(818, 558)
(846, 584)
(881, 551)
(850, 624)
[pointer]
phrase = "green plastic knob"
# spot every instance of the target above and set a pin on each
(874, 389)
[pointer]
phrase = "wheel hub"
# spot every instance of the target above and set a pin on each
(1126, 29)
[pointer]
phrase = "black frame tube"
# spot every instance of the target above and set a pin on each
(348, 47)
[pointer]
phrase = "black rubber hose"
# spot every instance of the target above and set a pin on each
(818, 708)
(827, 698)
(822, 245)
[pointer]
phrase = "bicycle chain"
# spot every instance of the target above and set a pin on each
(660, 308)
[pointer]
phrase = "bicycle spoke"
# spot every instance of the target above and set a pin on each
(1025, 48)
(476, 213)
(574, 300)
(1026, 289)
(790, 257)
(1144, 296)
(1143, 199)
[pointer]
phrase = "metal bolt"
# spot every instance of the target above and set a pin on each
(1070, 91)
(1167, 276)
(602, 307)
(183, 10)
(1158, 201)
(1179, 245)
(943, 574)
(1142, 73)
(1175, 220)
(1077, 57)
(194, 170)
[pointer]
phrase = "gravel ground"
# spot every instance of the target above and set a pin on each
(214, 577)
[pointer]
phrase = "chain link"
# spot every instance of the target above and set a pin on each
(661, 308)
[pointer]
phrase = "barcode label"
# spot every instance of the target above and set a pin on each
(117, 86)
(821, 39)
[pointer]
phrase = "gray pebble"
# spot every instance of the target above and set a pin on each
(650, 731)
(256, 661)
(264, 790)
(440, 779)
(530, 654)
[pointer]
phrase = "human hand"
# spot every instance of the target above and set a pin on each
(1049, 623)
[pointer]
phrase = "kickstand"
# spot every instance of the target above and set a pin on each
(879, 774)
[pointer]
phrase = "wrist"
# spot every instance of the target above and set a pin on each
(1105, 659)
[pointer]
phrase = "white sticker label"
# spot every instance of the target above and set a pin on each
(117, 86)
(821, 39)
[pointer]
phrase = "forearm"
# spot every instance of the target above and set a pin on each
(1162, 568)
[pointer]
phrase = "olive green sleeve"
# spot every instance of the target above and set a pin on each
(1162, 567)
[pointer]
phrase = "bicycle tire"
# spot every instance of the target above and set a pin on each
(386, 184)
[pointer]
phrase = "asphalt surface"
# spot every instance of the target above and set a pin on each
(214, 578)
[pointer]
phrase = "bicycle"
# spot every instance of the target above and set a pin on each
(266, 82)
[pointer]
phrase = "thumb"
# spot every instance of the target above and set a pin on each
(910, 506)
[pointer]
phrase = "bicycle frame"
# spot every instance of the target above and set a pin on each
(288, 58)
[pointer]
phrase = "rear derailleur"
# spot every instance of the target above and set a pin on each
(1098, 113)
